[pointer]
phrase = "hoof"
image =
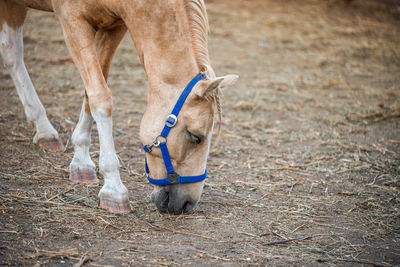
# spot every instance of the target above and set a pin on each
(54, 144)
(115, 205)
(83, 175)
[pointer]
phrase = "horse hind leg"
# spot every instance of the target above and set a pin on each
(12, 17)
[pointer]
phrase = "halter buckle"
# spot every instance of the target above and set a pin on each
(173, 177)
(171, 120)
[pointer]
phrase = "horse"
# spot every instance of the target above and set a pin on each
(170, 37)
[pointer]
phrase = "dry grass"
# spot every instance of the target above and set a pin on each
(306, 171)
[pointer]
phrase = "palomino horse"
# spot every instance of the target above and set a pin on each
(171, 39)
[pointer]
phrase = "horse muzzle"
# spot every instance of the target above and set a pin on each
(170, 199)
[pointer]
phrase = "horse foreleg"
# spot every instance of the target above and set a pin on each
(82, 168)
(11, 50)
(80, 40)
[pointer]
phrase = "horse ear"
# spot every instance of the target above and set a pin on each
(207, 87)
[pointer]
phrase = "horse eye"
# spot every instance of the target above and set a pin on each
(193, 138)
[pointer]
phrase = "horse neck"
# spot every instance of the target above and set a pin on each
(162, 35)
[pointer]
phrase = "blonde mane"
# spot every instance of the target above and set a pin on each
(197, 16)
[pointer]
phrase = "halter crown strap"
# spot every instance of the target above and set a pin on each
(169, 123)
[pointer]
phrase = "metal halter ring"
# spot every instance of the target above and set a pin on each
(171, 120)
(156, 143)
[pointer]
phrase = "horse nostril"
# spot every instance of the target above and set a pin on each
(166, 189)
(161, 199)
(166, 197)
(187, 206)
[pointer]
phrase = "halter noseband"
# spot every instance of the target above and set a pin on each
(173, 177)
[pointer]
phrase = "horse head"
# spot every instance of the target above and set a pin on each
(176, 158)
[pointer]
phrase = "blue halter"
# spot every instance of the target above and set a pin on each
(173, 177)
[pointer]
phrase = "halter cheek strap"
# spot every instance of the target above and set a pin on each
(170, 122)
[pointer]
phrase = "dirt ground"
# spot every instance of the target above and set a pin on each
(310, 148)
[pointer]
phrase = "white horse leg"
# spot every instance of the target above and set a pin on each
(11, 50)
(82, 168)
(80, 37)
(113, 195)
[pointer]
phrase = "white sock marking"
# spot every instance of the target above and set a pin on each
(11, 50)
(108, 163)
(81, 140)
